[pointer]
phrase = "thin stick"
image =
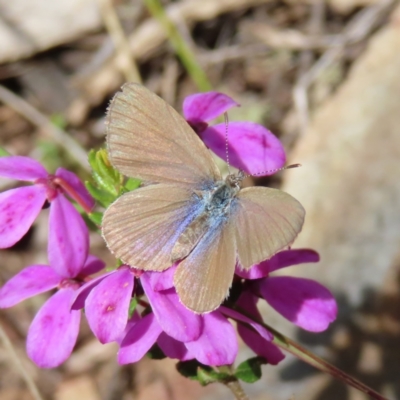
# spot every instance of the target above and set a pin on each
(37, 118)
(312, 359)
(15, 358)
(126, 61)
(233, 384)
(183, 51)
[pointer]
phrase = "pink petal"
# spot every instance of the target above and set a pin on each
(83, 292)
(21, 168)
(77, 185)
(304, 302)
(217, 345)
(172, 348)
(162, 280)
(107, 306)
(174, 318)
(18, 209)
(139, 340)
(265, 333)
(259, 345)
(201, 107)
(252, 148)
(280, 260)
(287, 258)
(92, 265)
(68, 238)
(130, 324)
(54, 330)
(28, 283)
(256, 271)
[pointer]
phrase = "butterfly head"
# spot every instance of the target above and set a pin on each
(235, 180)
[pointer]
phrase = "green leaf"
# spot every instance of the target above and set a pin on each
(132, 184)
(202, 373)
(104, 197)
(58, 120)
(250, 370)
(188, 369)
(50, 154)
(105, 184)
(155, 353)
(92, 159)
(96, 217)
(132, 306)
(209, 375)
(4, 152)
(104, 175)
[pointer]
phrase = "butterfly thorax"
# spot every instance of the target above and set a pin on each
(217, 202)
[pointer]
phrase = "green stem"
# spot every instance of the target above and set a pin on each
(233, 383)
(310, 358)
(183, 51)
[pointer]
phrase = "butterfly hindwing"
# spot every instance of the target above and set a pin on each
(266, 220)
(202, 280)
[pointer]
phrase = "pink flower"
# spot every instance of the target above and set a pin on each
(304, 302)
(54, 330)
(106, 300)
(180, 333)
(20, 207)
(251, 147)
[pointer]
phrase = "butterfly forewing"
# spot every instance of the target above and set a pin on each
(203, 279)
(142, 226)
(148, 139)
(266, 220)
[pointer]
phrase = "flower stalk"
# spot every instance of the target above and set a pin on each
(312, 359)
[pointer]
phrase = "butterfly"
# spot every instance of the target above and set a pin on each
(185, 212)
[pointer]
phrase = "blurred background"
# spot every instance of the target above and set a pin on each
(324, 76)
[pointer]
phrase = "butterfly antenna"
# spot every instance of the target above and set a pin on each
(272, 171)
(226, 142)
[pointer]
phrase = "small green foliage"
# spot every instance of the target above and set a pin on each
(108, 183)
(132, 184)
(100, 195)
(202, 373)
(4, 152)
(155, 353)
(132, 306)
(208, 375)
(50, 154)
(104, 175)
(96, 217)
(58, 120)
(250, 370)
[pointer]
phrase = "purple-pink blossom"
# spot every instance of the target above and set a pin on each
(54, 329)
(304, 302)
(251, 147)
(209, 338)
(19, 207)
(180, 333)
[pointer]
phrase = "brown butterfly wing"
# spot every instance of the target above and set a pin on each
(202, 280)
(148, 139)
(142, 226)
(266, 220)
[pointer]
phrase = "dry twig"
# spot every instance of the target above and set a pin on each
(148, 37)
(17, 361)
(37, 118)
(124, 61)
